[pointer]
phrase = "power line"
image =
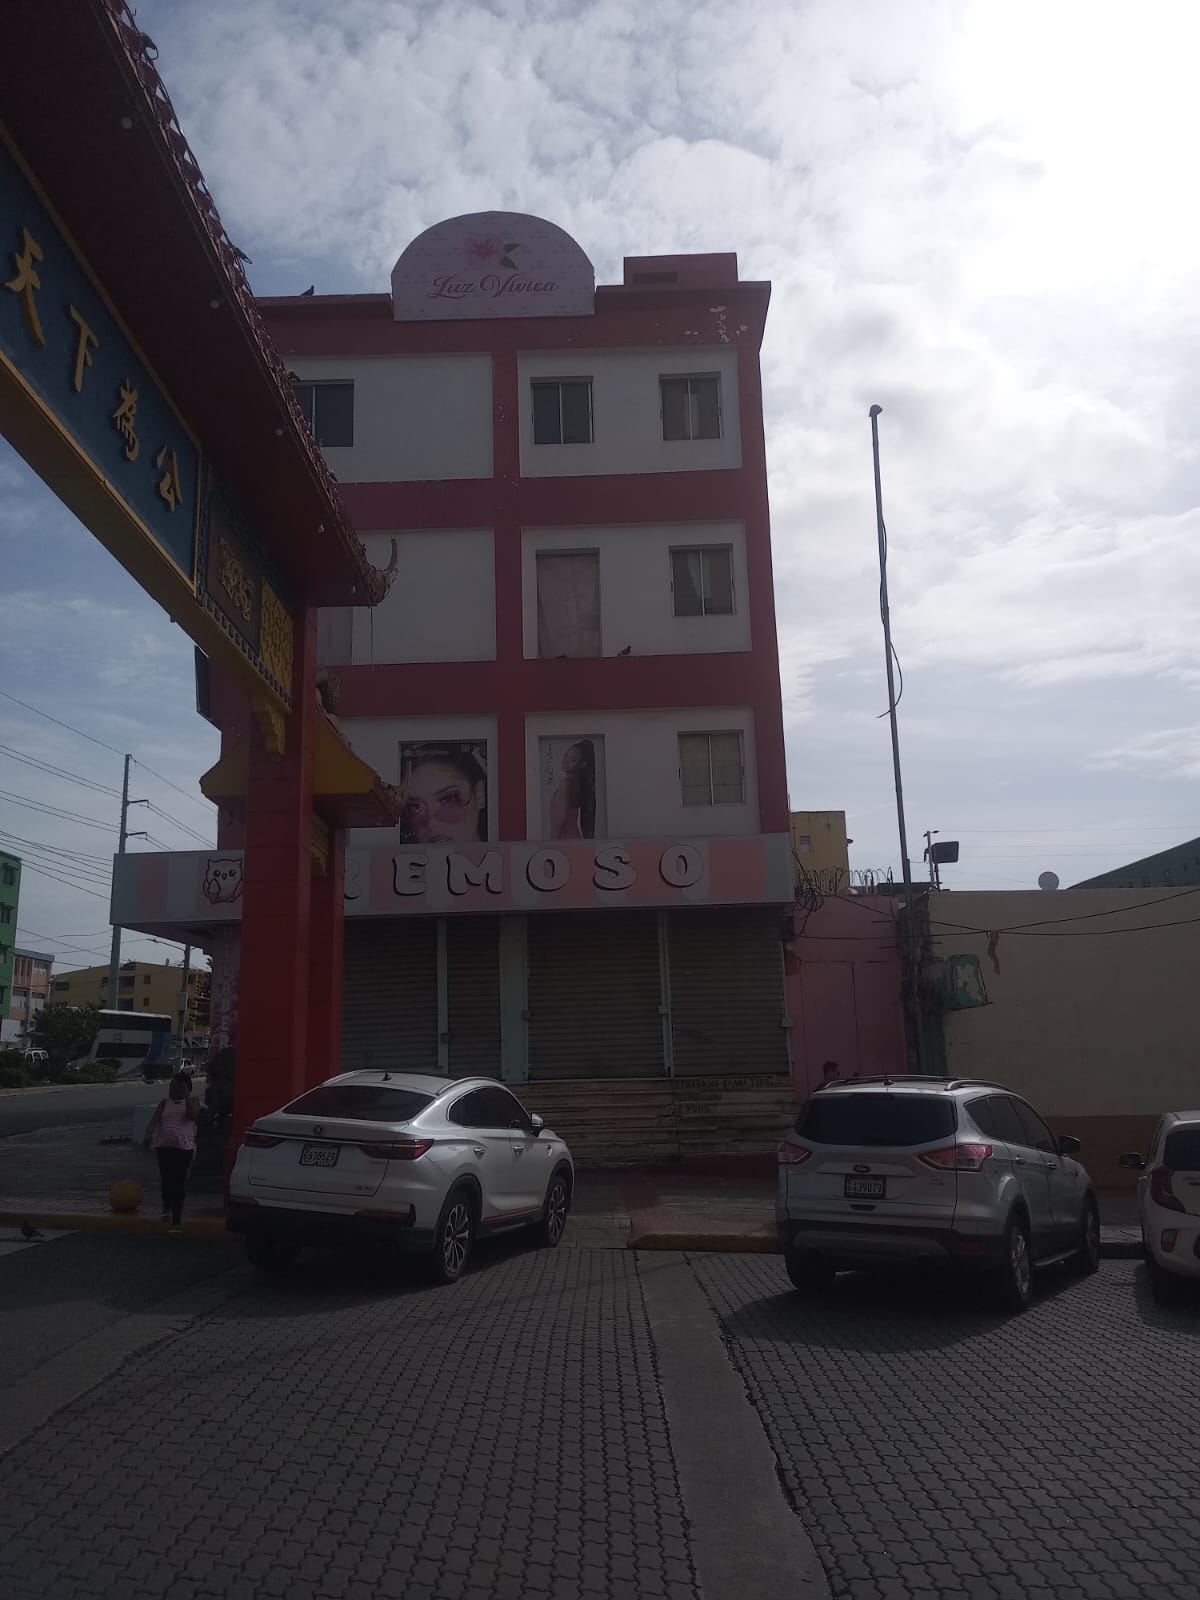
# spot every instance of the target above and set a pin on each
(1083, 916)
(25, 706)
(58, 772)
(38, 712)
(204, 803)
(175, 822)
(66, 882)
(37, 844)
(55, 811)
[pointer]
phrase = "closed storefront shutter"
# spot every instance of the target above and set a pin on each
(389, 995)
(727, 1003)
(594, 996)
(473, 995)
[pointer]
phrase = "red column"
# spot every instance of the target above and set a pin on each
(507, 675)
(273, 1018)
(326, 952)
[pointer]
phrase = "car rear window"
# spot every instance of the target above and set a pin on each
(1182, 1150)
(367, 1102)
(876, 1119)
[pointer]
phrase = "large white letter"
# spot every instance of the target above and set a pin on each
(614, 869)
(462, 874)
(681, 866)
(408, 871)
(547, 870)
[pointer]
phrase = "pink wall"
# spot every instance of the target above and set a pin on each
(843, 989)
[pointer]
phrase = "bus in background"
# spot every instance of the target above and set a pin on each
(136, 1039)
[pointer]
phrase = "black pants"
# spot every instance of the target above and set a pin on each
(173, 1170)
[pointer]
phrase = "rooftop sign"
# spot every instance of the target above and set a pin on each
(492, 264)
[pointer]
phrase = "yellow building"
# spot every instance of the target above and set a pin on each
(141, 986)
(820, 848)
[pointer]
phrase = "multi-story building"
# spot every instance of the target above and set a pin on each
(141, 986)
(32, 974)
(574, 679)
(10, 898)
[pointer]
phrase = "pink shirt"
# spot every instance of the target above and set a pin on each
(176, 1131)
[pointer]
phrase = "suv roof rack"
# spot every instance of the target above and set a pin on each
(892, 1080)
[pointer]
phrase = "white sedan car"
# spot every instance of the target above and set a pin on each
(425, 1164)
(1168, 1199)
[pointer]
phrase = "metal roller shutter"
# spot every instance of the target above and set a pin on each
(594, 996)
(727, 1003)
(473, 995)
(389, 995)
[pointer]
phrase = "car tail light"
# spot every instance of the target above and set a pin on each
(791, 1155)
(396, 1149)
(957, 1157)
(261, 1141)
(1161, 1192)
(1168, 1238)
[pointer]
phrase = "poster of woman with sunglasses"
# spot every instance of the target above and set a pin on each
(444, 792)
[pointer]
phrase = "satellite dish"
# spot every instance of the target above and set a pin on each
(1048, 880)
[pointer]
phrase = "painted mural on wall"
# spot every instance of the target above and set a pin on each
(492, 264)
(444, 792)
(571, 775)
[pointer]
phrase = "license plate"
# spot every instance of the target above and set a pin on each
(319, 1155)
(865, 1188)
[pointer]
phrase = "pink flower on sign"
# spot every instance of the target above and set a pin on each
(486, 248)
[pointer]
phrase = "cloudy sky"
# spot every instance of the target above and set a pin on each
(979, 216)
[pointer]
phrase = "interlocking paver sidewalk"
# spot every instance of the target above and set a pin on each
(936, 1450)
(338, 1438)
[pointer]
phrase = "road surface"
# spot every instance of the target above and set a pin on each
(27, 1109)
(586, 1424)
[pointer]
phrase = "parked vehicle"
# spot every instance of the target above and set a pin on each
(423, 1164)
(892, 1171)
(1168, 1200)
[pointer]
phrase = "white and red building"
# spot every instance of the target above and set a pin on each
(573, 680)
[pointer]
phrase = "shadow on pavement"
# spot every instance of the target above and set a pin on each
(922, 1310)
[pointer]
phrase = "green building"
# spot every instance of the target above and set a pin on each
(1176, 868)
(10, 894)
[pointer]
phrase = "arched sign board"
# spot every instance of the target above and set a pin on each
(492, 264)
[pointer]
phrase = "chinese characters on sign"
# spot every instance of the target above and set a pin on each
(63, 341)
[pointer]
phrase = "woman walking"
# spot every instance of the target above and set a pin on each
(173, 1131)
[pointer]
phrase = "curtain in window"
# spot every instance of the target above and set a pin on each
(726, 754)
(568, 604)
(688, 580)
(694, 769)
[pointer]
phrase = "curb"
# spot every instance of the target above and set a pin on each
(113, 1222)
(762, 1242)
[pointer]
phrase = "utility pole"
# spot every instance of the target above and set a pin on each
(910, 974)
(114, 960)
(183, 998)
(935, 875)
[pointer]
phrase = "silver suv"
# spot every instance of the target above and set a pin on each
(952, 1171)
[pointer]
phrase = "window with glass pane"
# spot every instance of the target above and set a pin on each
(329, 411)
(562, 411)
(702, 581)
(691, 406)
(710, 769)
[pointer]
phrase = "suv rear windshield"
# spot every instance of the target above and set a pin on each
(1182, 1150)
(367, 1102)
(876, 1119)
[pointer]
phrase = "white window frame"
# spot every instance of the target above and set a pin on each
(310, 411)
(703, 550)
(691, 437)
(540, 383)
(710, 734)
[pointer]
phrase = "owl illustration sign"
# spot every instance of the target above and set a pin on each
(223, 879)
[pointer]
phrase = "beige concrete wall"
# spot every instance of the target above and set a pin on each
(1091, 1005)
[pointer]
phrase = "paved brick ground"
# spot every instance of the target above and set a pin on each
(936, 1451)
(336, 1437)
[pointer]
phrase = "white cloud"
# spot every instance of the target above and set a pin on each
(971, 214)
